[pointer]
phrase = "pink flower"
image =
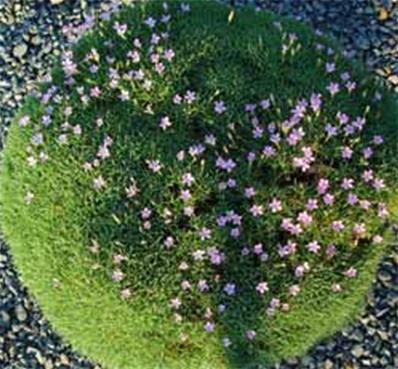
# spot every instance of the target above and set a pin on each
(185, 195)
(165, 123)
(117, 275)
(257, 210)
(377, 239)
(258, 249)
(351, 272)
(185, 285)
(347, 184)
(98, 183)
(294, 290)
(312, 204)
(262, 287)
(175, 303)
(146, 213)
(205, 234)
(251, 334)
(378, 184)
(125, 293)
(328, 199)
(323, 185)
(352, 199)
(359, 229)
(304, 218)
(346, 152)
(336, 287)
(331, 251)
(169, 242)
(313, 247)
(275, 205)
(337, 226)
(154, 165)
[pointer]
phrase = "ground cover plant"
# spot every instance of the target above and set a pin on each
(196, 188)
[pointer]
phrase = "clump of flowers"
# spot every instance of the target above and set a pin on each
(210, 194)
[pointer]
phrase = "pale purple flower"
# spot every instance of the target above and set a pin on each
(150, 22)
(24, 121)
(304, 218)
(169, 242)
(322, 186)
(351, 272)
(190, 97)
(209, 327)
(175, 303)
(257, 132)
(337, 226)
(249, 192)
(333, 88)
(146, 213)
(294, 290)
(367, 175)
(185, 195)
(269, 151)
(350, 85)
(382, 211)
(117, 275)
(378, 140)
(367, 152)
(125, 293)
(312, 204)
(230, 289)
(377, 239)
(365, 204)
(98, 183)
(251, 334)
(288, 249)
(205, 234)
(186, 285)
(185, 7)
(295, 136)
(189, 211)
(120, 29)
(154, 165)
(346, 152)
(316, 102)
(378, 184)
(359, 229)
(313, 247)
(258, 249)
(256, 210)
(265, 104)
(347, 183)
(352, 199)
(165, 123)
(210, 140)
(328, 199)
(331, 251)
(198, 149)
(330, 67)
(330, 130)
(275, 205)
(203, 286)
(219, 107)
(177, 99)
(119, 258)
(343, 118)
(131, 191)
(262, 288)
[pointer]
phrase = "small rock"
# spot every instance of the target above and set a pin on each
(328, 364)
(56, 2)
(20, 50)
(357, 351)
(21, 313)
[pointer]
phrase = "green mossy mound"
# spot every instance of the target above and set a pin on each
(200, 189)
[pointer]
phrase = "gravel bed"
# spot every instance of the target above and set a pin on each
(31, 37)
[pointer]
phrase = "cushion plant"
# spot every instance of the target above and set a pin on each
(195, 188)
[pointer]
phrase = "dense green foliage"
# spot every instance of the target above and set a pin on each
(200, 190)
